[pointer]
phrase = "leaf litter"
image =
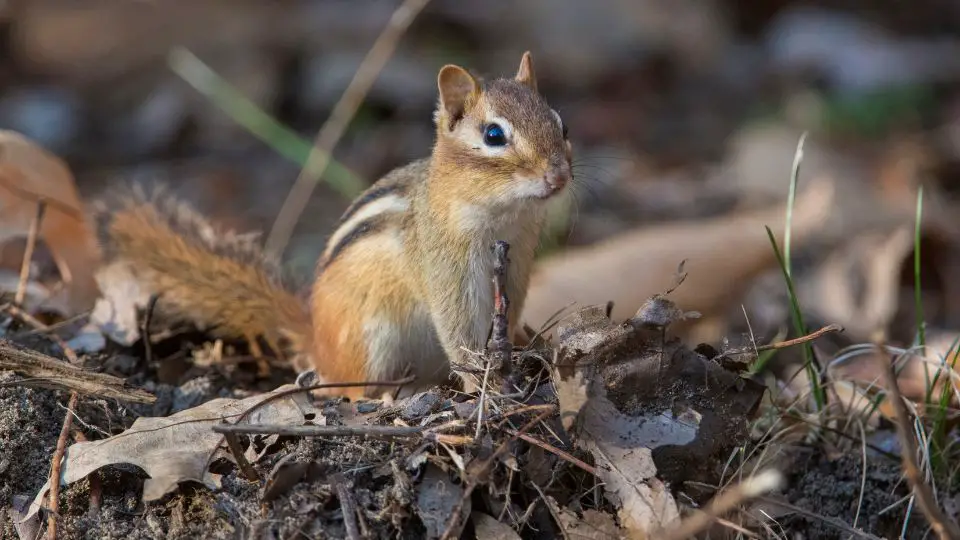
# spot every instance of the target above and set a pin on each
(642, 413)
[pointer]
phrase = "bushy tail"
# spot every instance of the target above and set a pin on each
(218, 280)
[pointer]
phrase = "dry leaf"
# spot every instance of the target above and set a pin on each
(572, 394)
(488, 528)
(622, 447)
(594, 525)
(176, 448)
(639, 427)
(437, 496)
(29, 172)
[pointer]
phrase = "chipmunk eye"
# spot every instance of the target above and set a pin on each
(494, 135)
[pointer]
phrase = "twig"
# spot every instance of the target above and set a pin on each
(500, 347)
(47, 331)
(55, 468)
(300, 389)
(724, 502)
(833, 522)
(484, 469)
(320, 431)
(96, 488)
(553, 450)
(941, 524)
(55, 326)
(790, 342)
(337, 123)
(58, 375)
(802, 339)
(233, 442)
(348, 505)
(145, 331)
(28, 253)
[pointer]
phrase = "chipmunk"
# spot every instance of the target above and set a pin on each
(404, 285)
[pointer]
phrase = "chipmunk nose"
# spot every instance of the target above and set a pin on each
(557, 177)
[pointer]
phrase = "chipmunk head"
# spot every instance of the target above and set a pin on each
(501, 140)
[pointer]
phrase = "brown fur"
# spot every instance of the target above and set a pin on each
(215, 279)
(430, 263)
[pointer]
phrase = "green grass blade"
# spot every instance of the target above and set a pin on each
(917, 293)
(283, 140)
(810, 362)
(791, 196)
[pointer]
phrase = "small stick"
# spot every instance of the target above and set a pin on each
(319, 431)
(145, 331)
(55, 467)
(803, 339)
(348, 505)
(96, 488)
(555, 451)
(724, 502)
(333, 129)
(38, 326)
(28, 253)
(833, 522)
(791, 342)
(58, 375)
(233, 442)
(500, 347)
(298, 390)
(942, 525)
(484, 469)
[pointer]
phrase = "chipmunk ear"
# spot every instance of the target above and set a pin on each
(525, 74)
(458, 91)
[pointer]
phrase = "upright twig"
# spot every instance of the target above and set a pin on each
(55, 467)
(500, 346)
(28, 253)
(96, 487)
(941, 524)
(337, 123)
(145, 330)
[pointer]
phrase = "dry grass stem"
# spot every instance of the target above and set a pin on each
(28, 253)
(940, 523)
(724, 502)
(333, 129)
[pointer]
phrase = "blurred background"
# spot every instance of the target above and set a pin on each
(679, 110)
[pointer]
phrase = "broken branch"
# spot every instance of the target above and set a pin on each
(48, 372)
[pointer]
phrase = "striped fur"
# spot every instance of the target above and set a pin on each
(405, 283)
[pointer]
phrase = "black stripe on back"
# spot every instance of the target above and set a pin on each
(369, 197)
(366, 227)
